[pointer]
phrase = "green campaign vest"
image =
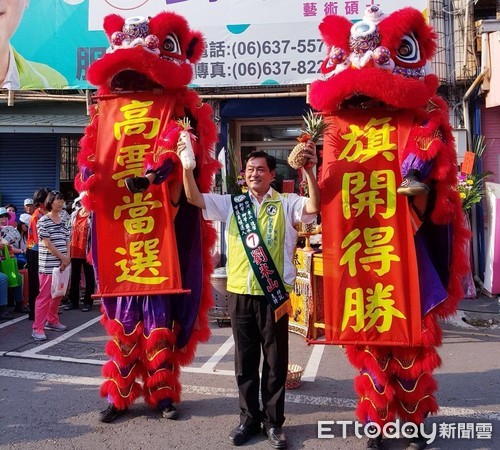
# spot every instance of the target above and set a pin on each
(254, 243)
(271, 223)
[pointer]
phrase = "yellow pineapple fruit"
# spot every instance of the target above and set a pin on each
(308, 227)
(314, 128)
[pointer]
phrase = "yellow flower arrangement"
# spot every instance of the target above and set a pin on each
(470, 187)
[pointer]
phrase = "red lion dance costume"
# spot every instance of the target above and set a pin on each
(393, 263)
(151, 250)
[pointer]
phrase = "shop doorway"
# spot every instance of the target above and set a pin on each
(277, 138)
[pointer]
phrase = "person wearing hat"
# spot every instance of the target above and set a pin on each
(9, 240)
(29, 206)
(25, 218)
(4, 281)
(22, 227)
(4, 216)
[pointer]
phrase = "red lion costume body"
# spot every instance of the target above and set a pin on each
(153, 332)
(377, 68)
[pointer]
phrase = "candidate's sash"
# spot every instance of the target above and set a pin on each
(259, 257)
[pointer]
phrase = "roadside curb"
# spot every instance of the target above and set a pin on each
(473, 319)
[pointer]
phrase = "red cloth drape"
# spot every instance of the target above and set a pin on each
(371, 289)
(137, 252)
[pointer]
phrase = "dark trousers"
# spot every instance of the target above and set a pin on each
(33, 283)
(255, 330)
(74, 290)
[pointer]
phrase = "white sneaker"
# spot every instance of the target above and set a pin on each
(55, 326)
(38, 336)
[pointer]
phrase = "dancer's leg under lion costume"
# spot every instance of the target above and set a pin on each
(377, 68)
(142, 93)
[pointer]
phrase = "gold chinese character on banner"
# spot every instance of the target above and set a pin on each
(378, 310)
(374, 248)
(376, 134)
(140, 257)
(137, 207)
(136, 121)
(131, 158)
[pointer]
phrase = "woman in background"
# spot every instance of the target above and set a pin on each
(32, 248)
(53, 252)
(81, 220)
(19, 247)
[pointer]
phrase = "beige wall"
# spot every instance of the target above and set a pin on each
(493, 96)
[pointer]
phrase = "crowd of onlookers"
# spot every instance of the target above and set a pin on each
(43, 240)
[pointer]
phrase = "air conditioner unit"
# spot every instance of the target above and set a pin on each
(460, 135)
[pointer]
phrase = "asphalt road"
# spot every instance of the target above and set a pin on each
(49, 394)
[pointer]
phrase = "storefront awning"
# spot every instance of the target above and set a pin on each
(43, 123)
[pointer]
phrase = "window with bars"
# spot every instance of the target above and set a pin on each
(68, 167)
(69, 149)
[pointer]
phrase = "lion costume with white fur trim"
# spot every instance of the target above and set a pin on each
(381, 64)
(151, 335)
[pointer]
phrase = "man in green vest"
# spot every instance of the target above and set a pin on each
(261, 242)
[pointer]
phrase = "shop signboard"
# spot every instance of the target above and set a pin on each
(249, 42)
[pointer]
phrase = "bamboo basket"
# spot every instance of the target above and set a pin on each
(294, 376)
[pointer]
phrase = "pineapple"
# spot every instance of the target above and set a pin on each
(309, 227)
(315, 126)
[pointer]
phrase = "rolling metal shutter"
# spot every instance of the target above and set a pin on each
(27, 162)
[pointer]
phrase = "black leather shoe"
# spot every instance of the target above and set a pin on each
(243, 433)
(276, 437)
(374, 443)
(111, 413)
(6, 315)
(170, 412)
(417, 443)
(137, 184)
(70, 307)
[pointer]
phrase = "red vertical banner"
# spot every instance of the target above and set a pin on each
(371, 290)
(137, 251)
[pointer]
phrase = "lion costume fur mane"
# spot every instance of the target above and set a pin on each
(382, 61)
(156, 55)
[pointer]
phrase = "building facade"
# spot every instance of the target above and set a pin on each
(40, 130)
